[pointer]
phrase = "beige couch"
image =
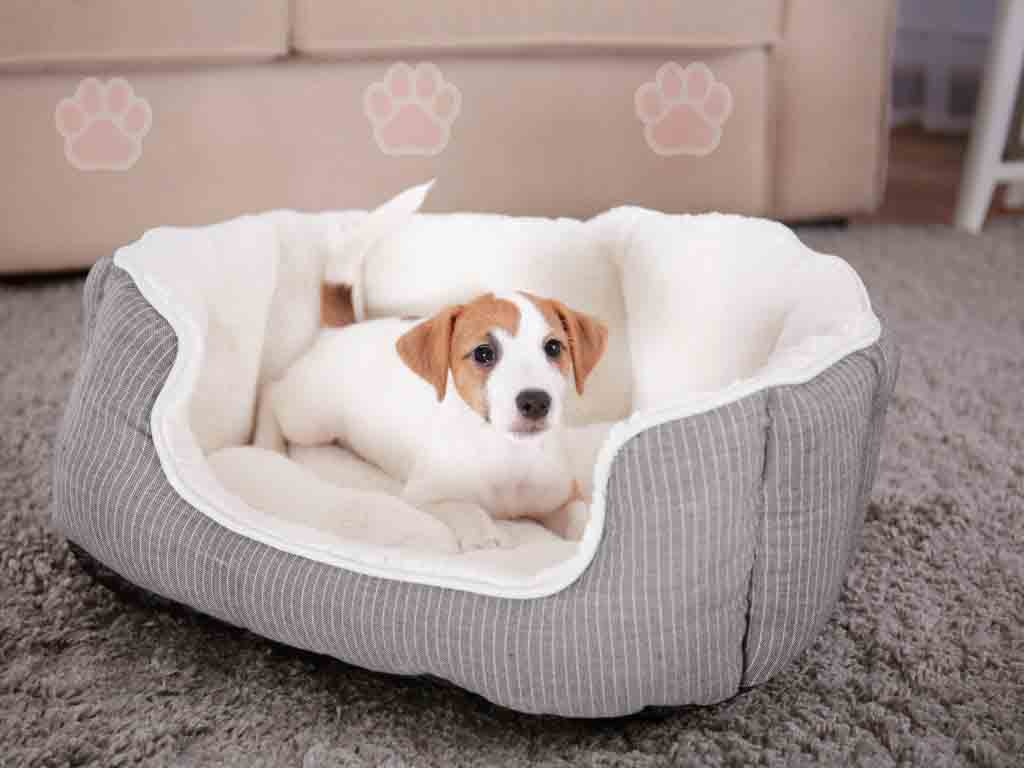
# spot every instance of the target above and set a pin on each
(121, 115)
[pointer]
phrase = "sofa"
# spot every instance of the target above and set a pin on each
(122, 115)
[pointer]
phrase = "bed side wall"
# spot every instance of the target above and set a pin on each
(820, 462)
(104, 454)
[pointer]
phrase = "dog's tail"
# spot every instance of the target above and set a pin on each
(343, 295)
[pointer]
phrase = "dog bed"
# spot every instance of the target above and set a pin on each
(729, 444)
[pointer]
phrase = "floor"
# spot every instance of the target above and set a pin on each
(924, 179)
(922, 662)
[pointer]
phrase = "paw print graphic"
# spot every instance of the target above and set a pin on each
(683, 110)
(412, 110)
(103, 125)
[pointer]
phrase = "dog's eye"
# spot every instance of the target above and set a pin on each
(553, 348)
(484, 355)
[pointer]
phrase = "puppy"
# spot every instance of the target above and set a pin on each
(464, 408)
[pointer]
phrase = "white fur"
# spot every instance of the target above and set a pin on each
(449, 459)
(340, 467)
(373, 518)
(314, 249)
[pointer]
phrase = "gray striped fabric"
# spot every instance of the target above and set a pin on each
(726, 541)
(820, 458)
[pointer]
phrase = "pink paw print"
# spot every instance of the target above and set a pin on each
(103, 125)
(683, 110)
(412, 110)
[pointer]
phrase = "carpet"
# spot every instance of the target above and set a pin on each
(922, 663)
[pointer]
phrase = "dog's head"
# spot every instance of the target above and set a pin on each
(511, 357)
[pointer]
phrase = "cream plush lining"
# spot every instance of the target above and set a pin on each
(705, 309)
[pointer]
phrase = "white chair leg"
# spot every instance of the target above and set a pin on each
(992, 119)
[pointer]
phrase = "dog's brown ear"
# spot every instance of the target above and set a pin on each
(426, 349)
(588, 339)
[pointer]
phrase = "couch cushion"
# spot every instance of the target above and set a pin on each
(49, 33)
(329, 27)
(223, 141)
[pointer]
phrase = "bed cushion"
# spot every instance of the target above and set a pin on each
(741, 297)
(402, 262)
(48, 33)
(326, 27)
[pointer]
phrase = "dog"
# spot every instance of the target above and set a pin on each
(463, 408)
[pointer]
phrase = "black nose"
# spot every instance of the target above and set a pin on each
(533, 404)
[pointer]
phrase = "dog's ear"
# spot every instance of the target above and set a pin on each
(588, 339)
(426, 349)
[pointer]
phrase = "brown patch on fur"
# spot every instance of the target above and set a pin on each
(585, 337)
(474, 327)
(448, 339)
(336, 308)
(547, 311)
(470, 382)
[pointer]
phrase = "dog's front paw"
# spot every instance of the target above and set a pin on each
(474, 528)
(484, 536)
(267, 433)
(579, 516)
(570, 520)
